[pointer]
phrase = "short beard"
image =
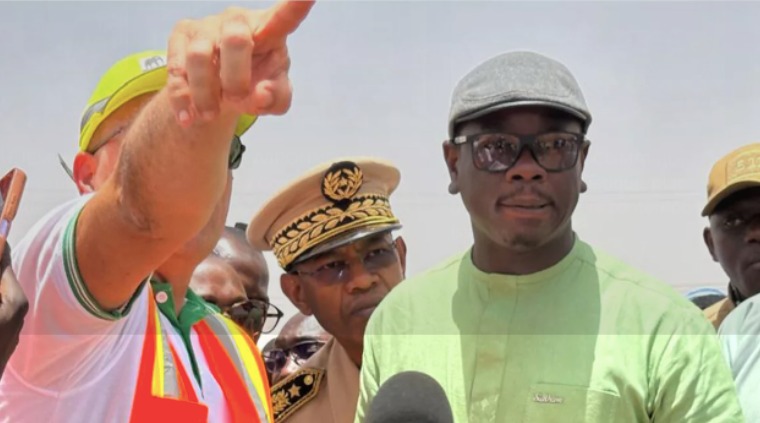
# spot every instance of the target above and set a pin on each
(522, 243)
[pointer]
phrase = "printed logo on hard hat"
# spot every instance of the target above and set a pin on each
(341, 182)
(153, 62)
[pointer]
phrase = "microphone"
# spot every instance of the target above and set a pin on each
(410, 397)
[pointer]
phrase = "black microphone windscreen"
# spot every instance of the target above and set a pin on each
(410, 397)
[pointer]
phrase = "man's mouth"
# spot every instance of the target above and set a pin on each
(754, 264)
(363, 308)
(529, 203)
(364, 312)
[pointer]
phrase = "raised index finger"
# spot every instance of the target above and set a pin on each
(283, 18)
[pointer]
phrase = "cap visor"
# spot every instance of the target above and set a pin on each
(726, 192)
(345, 239)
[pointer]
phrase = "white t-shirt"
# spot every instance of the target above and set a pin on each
(75, 362)
(740, 335)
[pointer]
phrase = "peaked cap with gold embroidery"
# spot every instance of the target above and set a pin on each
(331, 205)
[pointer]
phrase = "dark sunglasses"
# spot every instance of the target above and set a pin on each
(498, 152)
(276, 359)
(236, 152)
(339, 271)
(255, 316)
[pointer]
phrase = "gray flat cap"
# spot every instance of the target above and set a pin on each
(516, 79)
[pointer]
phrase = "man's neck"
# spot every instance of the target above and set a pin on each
(177, 273)
(353, 351)
(735, 295)
(493, 258)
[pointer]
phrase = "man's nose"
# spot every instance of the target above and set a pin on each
(360, 278)
(526, 168)
(290, 367)
(753, 231)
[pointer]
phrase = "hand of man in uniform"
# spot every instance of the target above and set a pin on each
(236, 61)
(13, 307)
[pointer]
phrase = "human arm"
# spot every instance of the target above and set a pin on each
(173, 165)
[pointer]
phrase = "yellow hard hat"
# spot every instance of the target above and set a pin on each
(130, 77)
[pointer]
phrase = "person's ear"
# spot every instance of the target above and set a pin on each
(584, 154)
(84, 172)
(292, 288)
(401, 250)
(451, 157)
(707, 236)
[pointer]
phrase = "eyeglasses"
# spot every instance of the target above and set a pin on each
(275, 359)
(108, 139)
(236, 153)
(498, 152)
(338, 271)
(255, 316)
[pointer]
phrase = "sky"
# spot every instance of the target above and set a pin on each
(672, 87)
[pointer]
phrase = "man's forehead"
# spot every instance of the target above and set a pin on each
(247, 263)
(213, 272)
(300, 328)
(230, 246)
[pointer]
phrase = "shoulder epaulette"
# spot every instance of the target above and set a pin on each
(294, 392)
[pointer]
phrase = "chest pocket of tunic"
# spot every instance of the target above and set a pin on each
(569, 404)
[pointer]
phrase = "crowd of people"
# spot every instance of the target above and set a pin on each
(135, 302)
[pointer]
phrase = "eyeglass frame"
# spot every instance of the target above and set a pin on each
(343, 276)
(266, 314)
(290, 353)
(237, 148)
(525, 142)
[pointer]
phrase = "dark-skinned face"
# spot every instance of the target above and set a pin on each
(234, 273)
(525, 207)
(344, 307)
(301, 337)
(733, 239)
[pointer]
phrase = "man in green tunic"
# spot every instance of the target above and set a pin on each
(531, 324)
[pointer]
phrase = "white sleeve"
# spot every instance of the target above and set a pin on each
(64, 326)
(738, 332)
(740, 337)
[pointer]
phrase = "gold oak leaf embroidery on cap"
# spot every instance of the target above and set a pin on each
(347, 209)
